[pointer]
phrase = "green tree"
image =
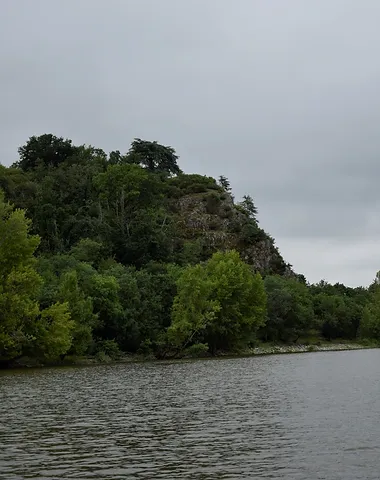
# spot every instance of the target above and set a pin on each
(53, 332)
(193, 307)
(290, 309)
(338, 309)
(90, 251)
(47, 148)
(23, 327)
(249, 206)
(81, 311)
(224, 183)
(154, 157)
(370, 322)
(221, 303)
(132, 206)
(19, 281)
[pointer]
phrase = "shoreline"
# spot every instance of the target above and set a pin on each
(284, 349)
(261, 350)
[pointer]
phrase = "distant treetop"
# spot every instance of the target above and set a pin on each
(48, 149)
(154, 157)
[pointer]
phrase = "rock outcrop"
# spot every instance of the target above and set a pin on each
(213, 219)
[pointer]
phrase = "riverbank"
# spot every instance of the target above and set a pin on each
(331, 347)
(263, 349)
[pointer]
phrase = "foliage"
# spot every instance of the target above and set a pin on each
(154, 157)
(24, 327)
(370, 322)
(290, 309)
(248, 206)
(102, 254)
(221, 303)
(48, 149)
(224, 183)
(54, 332)
(185, 184)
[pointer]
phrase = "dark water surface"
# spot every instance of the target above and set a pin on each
(307, 416)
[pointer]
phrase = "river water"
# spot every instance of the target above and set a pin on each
(307, 416)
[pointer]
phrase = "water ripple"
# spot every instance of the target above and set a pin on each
(310, 416)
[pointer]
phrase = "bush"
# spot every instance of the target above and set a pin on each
(193, 184)
(145, 347)
(102, 357)
(107, 348)
(197, 350)
(212, 201)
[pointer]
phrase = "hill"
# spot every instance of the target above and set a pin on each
(129, 253)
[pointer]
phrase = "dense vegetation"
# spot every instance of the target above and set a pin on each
(102, 254)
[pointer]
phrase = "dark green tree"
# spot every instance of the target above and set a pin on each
(224, 183)
(46, 149)
(155, 157)
(249, 206)
(290, 309)
(24, 327)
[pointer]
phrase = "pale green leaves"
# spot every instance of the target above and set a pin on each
(221, 302)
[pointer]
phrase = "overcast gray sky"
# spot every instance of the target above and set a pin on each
(281, 96)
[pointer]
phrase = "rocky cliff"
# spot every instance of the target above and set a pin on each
(213, 219)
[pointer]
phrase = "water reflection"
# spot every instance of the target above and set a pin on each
(312, 416)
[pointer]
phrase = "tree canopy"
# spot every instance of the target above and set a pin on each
(102, 254)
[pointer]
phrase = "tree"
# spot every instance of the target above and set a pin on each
(338, 309)
(53, 332)
(224, 183)
(115, 157)
(135, 220)
(89, 251)
(23, 327)
(47, 148)
(193, 307)
(154, 157)
(338, 316)
(290, 309)
(370, 323)
(248, 205)
(221, 303)
(81, 311)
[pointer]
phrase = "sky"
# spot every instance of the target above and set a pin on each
(280, 96)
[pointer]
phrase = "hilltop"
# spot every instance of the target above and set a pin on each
(109, 253)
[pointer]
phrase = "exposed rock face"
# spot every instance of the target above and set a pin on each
(214, 219)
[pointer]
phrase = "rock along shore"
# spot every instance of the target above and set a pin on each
(276, 349)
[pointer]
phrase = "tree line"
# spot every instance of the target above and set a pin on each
(95, 260)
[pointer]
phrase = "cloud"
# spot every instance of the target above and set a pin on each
(281, 97)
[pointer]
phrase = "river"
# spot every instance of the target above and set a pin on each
(307, 416)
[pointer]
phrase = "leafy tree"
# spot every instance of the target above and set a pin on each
(249, 206)
(23, 327)
(221, 303)
(115, 157)
(338, 309)
(224, 183)
(132, 207)
(193, 308)
(19, 281)
(370, 322)
(81, 311)
(154, 157)
(290, 309)
(145, 297)
(337, 315)
(18, 186)
(47, 148)
(53, 332)
(90, 251)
